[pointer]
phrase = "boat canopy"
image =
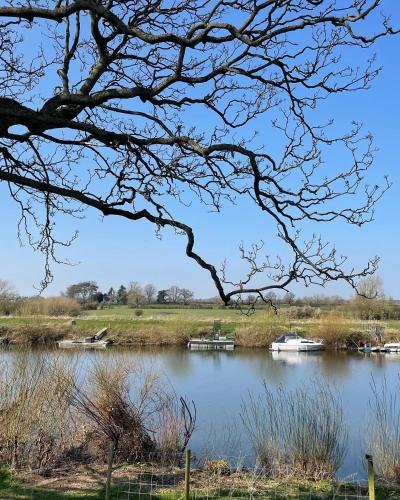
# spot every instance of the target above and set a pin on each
(285, 337)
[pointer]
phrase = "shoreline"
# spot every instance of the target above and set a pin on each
(159, 330)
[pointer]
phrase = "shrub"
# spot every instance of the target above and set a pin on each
(333, 329)
(138, 312)
(135, 410)
(48, 306)
(300, 433)
(263, 331)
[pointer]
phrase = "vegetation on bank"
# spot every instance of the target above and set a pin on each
(84, 484)
(171, 326)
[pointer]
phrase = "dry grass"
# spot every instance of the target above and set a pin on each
(333, 329)
(263, 331)
(48, 306)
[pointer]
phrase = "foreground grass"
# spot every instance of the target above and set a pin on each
(202, 487)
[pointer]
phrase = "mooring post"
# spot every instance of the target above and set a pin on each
(371, 477)
(187, 474)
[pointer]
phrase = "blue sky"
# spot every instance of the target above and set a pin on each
(113, 251)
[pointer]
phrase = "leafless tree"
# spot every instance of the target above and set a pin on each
(99, 108)
(150, 291)
(135, 294)
(173, 294)
(185, 295)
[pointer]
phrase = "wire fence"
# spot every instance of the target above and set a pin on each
(169, 478)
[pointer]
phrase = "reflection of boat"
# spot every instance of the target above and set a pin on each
(295, 357)
(293, 342)
(392, 347)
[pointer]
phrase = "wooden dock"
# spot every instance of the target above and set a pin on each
(94, 341)
(221, 343)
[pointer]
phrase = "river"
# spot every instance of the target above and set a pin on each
(219, 381)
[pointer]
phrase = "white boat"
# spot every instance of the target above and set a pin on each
(293, 342)
(392, 347)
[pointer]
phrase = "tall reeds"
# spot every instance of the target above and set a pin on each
(299, 432)
(383, 431)
(52, 411)
(35, 428)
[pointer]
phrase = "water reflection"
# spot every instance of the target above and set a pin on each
(218, 382)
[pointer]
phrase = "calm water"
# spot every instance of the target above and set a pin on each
(219, 381)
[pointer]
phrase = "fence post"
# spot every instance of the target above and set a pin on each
(371, 477)
(110, 461)
(187, 474)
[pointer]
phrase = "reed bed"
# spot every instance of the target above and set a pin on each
(300, 433)
(383, 430)
(53, 411)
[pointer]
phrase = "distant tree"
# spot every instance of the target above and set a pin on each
(82, 292)
(150, 292)
(98, 297)
(250, 299)
(135, 296)
(162, 297)
(289, 298)
(122, 295)
(370, 303)
(8, 297)
(185, 296)
(173, 294)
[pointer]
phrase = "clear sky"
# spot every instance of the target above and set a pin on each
(112, 251)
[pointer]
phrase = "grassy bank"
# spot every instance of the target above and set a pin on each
(86, 483)
(170, 326)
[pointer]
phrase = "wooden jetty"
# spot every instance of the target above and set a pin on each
(219, 343)
(93, 342)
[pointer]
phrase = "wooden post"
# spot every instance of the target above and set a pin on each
(110, 461)
(371, 477)
(187, 475)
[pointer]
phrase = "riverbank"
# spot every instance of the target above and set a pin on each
(87, 482)
(175, 327)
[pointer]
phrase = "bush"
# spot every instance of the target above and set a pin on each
(138, 313)
(48, 414)
(300, 433)
(333, 329)
(48, 306)
(263, 331)
(304, 312)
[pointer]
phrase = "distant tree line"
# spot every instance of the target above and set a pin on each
(88, 295)
(370, 304)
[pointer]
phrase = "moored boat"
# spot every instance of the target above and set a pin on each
(392, 347)
(293, 342)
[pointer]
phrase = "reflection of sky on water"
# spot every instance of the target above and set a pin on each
(219, 382)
